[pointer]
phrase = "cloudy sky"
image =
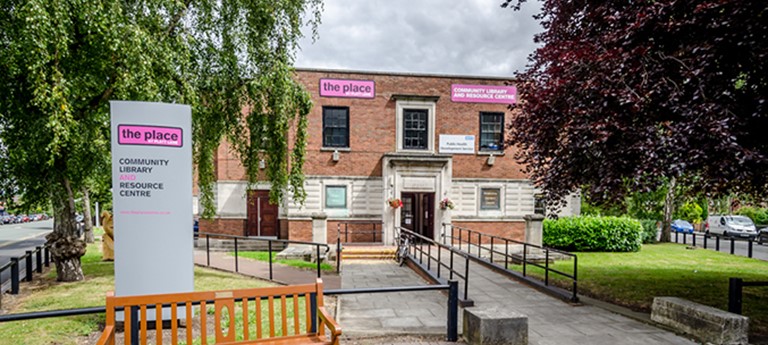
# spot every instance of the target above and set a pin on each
(467, 37)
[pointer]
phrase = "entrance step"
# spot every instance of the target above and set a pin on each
(368, 253)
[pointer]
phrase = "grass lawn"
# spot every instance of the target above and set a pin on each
(47, 294)
(700, 275)
(264, 256)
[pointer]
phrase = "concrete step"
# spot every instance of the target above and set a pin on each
(367, 257)
(368, 253)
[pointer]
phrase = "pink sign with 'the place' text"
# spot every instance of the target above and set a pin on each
(149, 135)
(347, 88)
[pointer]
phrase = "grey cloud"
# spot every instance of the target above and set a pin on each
(475, 37)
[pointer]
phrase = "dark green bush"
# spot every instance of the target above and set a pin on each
(593, 234)
(650, 231)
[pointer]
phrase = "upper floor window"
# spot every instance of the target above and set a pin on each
(415, 129)
(415, 119)
(335, 126)
(491, 131)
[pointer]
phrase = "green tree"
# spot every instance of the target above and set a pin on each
(63, 60)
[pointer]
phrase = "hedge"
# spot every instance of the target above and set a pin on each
(593, 234)
(650, 230)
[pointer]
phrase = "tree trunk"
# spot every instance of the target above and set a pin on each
(65, 246)
(669, 209)
(88, 231)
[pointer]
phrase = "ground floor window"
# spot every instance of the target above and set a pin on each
(490, 198)
(335, 196)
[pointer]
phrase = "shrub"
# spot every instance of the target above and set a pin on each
(758, 215)
(589, 233)
(650, 230)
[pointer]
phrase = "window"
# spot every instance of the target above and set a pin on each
(490, 198)
(415, 123)
(335, 127)
(415, 129)
(335, 196)
(491, 131)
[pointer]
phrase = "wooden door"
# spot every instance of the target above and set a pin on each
(262, 215)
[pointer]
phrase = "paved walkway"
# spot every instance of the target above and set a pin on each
(550, 320)
(420, 317)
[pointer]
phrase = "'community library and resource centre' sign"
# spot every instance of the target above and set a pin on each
(483, 94)
(152, 197)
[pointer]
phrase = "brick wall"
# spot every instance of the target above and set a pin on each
(355, 232)
(373, 124)
(510, 230)
(299, 230)
(223, 226)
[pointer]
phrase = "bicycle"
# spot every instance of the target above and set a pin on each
(402, 249)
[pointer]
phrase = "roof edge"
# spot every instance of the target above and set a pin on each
(405, 74)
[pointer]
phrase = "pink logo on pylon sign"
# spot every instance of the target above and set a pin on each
(149, 135)
(347, 88)
(483, 94)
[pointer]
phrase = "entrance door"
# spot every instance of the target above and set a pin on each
(418, 213)
(262, 215)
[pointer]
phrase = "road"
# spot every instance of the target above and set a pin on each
(740, 247)
(15, 239)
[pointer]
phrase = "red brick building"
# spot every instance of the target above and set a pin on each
(374, 137)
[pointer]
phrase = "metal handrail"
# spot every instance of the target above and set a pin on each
(735, 287)
(346, 230)
(452, 322)
(507, 256)
(415, 248)
(269, 241)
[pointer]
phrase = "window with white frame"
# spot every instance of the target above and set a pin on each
(415, 125)
(336, 197)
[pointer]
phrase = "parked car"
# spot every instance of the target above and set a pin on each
(679, 225)
(762, 236)
(731, 225)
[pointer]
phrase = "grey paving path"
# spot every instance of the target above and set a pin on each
(280, 273)
(423, 312)
(550, 320)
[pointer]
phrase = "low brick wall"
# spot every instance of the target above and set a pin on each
(511, 230)
(707, 324)
(299, 230)
(223, 226)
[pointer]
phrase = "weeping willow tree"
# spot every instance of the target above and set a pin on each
(63, 60)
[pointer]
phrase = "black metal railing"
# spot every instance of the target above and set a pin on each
(270, 249)
(421, 252)
(452, 287)
(33, 260)
(471, 242)
(352, 231)
(735, 287)
(706, 241)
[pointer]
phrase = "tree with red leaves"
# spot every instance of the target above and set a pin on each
(632, 95)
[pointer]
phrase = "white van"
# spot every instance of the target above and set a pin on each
(731, 225)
